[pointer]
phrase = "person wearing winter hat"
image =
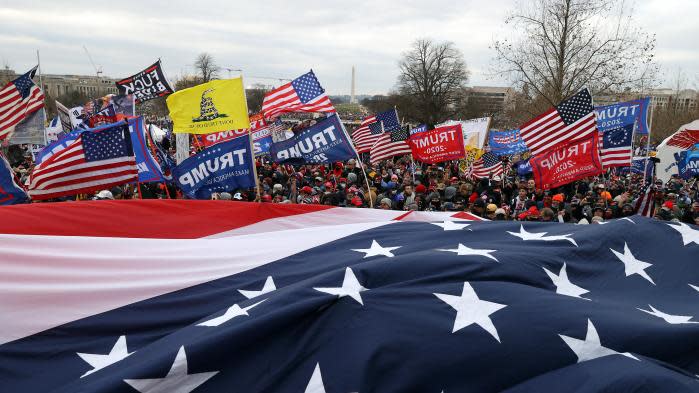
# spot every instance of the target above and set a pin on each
(103, 195)
(420, 189)
(490, 211)
(386, 204)
(500, 214)
(356, 202)
(449, 193)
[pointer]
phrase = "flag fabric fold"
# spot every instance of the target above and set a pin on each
(96, 159)
(571, 120)
(18, 99)
(372, 127)
(291, 298)
(303, 94)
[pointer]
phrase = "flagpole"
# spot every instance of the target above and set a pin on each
(359, 159)
(258, 197)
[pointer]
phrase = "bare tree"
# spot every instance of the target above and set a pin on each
(432, 77)
(566, 45)
(206, 67)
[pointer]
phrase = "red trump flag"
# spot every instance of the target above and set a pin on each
(438, 145)
(567, 163)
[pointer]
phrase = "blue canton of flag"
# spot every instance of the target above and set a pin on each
(307, 87)
(389, 119)
(536, 309)
(617, 137)
(376, 128)
(24, 83)
(110, 143)
(10, 192)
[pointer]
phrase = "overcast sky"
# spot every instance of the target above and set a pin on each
(284, 39)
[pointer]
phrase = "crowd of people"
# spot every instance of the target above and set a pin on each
(401, 184)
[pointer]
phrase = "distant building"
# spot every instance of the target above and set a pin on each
(488, 99)
(92, 86)
(686, 99)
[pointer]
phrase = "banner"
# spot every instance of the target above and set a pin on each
(568, 163)
(623, 114)
(105, 116)
(503, 143)
(146, 85)
(225, 167)
(323, 142)
(686, 137)
(77, 117)
(419, 129)
(54, 130)
(262, 141)
(524, 168)
(149, 169)
(10, 192)
(475, 131)
(688, 162)
(256, 122)
(30, 130)
(64, 115)
(441, 144)
(55, 147)
(214, 106)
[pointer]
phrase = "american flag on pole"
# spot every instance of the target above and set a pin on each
(487, 166)
(180, 296)
(390, 144)
(18, 99)
(616, 147)
(573, 119)
(645, 205)
(303, 94)
(97, 159)
(372, 127)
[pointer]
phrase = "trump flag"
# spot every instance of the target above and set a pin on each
(567, 163)
(225, 166)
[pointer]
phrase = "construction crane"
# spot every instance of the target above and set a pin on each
(98, 69)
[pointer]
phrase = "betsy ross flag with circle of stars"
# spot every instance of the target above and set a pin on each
(571, 120)
(308, 298)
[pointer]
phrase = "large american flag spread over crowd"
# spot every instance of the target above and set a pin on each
(344, 300)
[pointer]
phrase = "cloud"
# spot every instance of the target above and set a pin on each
(280, 39)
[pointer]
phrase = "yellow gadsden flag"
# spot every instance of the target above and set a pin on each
(210, 107)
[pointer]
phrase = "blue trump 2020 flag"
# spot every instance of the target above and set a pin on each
(323, 142)
(149, 170)
(504, 143)
(10, 192)
(624, 114)
(291, 299)
(225, 166)
(688, 162)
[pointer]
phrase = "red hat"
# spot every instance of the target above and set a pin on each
(533, 211)
(266, 198)
(357, 201)
(454, 179)
(342, 180)
(668, 204)
(328, 185)
(306, 189)
(420, 189)
(558, 198)
(473, 197)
